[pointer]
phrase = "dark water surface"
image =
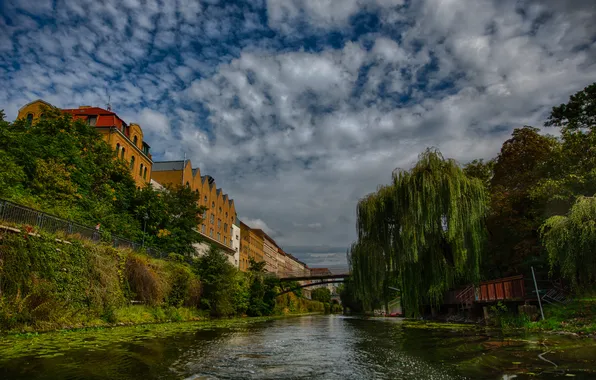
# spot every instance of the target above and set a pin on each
(312, 347)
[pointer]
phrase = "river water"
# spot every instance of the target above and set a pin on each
(309, 347)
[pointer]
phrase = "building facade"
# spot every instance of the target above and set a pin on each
(235, 259)
(220, 215)
(125, 139)
(251, 245)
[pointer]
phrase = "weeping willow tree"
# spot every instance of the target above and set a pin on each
(425, 231)
(571, 242)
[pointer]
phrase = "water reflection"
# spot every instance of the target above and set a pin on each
(315, 347)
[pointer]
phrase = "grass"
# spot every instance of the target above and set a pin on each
(577, 317)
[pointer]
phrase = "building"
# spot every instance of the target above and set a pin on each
(220, 216)
(251, 246)
(270, 251)
(235, 259)
(126, 139)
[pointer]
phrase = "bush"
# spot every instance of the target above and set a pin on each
(146, 282)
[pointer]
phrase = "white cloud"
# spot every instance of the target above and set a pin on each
(296, 128)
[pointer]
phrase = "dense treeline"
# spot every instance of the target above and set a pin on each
(441, 224)
(64, 167)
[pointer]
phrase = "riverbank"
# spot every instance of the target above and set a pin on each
(50, 282)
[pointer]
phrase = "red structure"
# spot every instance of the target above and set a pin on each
(502, 289)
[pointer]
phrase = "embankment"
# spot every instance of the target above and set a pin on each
(48, 283)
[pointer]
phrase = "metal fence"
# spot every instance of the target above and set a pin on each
(15, 213)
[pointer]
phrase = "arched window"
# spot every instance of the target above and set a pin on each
(220, 210)
(205, 199)
(135, 140)
(117, 150)
(29, 119)
(132, 163)
(141, 169)
(122, 153)
(226, 214)
(145, 173)
(212, 204)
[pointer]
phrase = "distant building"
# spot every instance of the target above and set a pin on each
(216, 225)
(235, 259)
(125, 139)
(251, 246)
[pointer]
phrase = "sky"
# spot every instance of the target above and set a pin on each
(298, 108)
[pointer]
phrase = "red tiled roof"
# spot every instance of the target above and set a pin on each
(105, 118)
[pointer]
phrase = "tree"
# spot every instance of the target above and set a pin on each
(571, 242)
(348, 297)
(516, 211)
(425, 231)
(321, 295)
(218, 281)
(481, 170)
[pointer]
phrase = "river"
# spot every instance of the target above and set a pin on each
(308, 347)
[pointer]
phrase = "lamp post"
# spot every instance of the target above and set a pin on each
(145, 217)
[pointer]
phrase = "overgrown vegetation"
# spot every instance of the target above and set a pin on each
(440, 225)
(47, 284)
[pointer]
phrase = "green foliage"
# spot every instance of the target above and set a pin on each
(571, 242)
(321, 295)
(348, 297)
(515, 212)
(65, 168)
(217, 277)
(425, 230)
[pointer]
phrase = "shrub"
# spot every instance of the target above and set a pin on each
(144, 280)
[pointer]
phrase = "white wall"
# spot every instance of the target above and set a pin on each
(235, 259)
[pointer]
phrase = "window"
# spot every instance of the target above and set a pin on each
(117, 150)
(225, 240)
(212, 204)
(145, 173)
(141, 169)
(132, 162)
(187, 184)
(226, 214)
(29, 119)
(218, 223)
(42, 116)
(220, 210)
(92, 120)
(205, 199)
(203, 228)
(211, 232)
(236, 237)
(122, 153)
(135, 140)
(225, 227)
(218, 236)
(212, 218)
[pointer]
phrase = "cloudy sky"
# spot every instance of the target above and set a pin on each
(300, 107)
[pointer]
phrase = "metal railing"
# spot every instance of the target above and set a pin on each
(15, 213)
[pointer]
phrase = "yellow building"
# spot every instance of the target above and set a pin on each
(217, 221)
(251, 246)
(126, 139)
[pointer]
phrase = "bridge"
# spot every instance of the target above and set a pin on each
(313, 277)
(315, 274)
